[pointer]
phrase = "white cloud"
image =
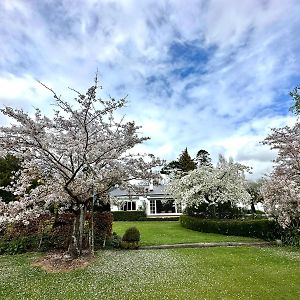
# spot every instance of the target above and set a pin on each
(225, 104)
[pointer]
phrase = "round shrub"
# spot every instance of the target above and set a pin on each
(132, 234)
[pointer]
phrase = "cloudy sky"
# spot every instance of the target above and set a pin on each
(211, 75)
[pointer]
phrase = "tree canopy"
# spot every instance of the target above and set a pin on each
(82, 151)
(282, 189)
(211, 185)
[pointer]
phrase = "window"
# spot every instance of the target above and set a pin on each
(129, 205)
(152, 207)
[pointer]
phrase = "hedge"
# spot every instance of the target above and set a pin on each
(129, 215)
(262, 228)
(49, 233)
(139, 216)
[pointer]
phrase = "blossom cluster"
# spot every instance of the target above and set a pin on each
(212, 185)
(81, 151)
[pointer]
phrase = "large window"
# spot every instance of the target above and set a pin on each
(129, 205)
(152, 206)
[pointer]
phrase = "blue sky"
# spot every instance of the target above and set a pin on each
(211, 75)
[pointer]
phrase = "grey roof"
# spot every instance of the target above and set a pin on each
(158, 190)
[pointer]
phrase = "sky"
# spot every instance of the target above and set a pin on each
(213, 75)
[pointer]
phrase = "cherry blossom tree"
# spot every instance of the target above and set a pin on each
(282, 189)
(82, 151)
(211, 185)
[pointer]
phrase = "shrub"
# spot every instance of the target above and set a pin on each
(132, 234)
(261, 228)
(128, 215)
(129, 245)
(51, 232)
(114, 241)
(291, 237)
(224, 210)
(131, 238)
(18, 245)
(155, 219)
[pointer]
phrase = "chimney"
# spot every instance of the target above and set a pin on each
(151, 185)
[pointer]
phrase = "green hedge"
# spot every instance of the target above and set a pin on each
(262, 228)
(128, 215)
(155, 219)
(50, 233)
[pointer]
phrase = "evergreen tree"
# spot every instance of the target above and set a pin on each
(203, 159)
(186, 163)
(183, 164)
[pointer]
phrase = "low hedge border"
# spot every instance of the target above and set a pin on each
(262, 228)
(139, 216)
(128, 215)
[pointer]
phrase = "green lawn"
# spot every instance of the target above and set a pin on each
(205, 273)
(157, 233)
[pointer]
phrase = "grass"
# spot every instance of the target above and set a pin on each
(218, 273)
(157, 233)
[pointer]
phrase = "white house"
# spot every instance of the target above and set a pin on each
(152, 198)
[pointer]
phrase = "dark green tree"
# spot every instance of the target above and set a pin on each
(173, 166)
(8, 165)
(203, 159)
(183, 164)
(295, 108)
(186, 163)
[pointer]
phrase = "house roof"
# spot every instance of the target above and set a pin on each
(158, 190)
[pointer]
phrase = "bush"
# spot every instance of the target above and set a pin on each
(18, 245)
(131, 238)
(219, 211)
(261, 228)
(171, 219)
(291, 237)
(128, 215)
(132, 234)
(130, 245)
(114, 241)
(50, 232)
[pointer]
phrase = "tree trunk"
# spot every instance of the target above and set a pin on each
(81, 227)
(73, 249)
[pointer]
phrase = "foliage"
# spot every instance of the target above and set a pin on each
(185, 161)
(207, 185)
(263, 228)
(183, 165)
(9, 165)
(203, 159)
(114, 241)
(49, 233)
(223, 210)
(131, 239)
(254, 190)
(282, 189)
(82, 151)
(132, 234)
(129, 215)
(296, 97)
(290, 236)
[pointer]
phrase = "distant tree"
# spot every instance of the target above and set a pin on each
(186, 163)
(254, 190)
(182, 165)
(212, 186)
(295, 108)
(173, 166)
(9, 165)
(203, 159)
